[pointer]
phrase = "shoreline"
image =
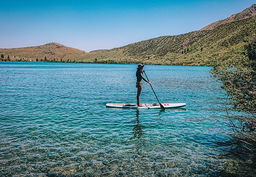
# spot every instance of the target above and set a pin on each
(129, 63)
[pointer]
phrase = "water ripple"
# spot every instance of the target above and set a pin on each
(53, 121)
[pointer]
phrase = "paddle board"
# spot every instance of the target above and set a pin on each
(145, 106)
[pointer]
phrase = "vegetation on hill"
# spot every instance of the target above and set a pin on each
(208, 47)
(239, 79)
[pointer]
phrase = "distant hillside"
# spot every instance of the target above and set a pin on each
(47, 52)
(247, 13)
(206, 47)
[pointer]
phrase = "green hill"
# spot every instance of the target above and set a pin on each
(207, 47)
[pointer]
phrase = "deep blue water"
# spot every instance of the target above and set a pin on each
(53, 120)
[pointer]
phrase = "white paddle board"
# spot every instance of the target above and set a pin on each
(145, 106)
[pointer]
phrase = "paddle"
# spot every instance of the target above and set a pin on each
(162, 107)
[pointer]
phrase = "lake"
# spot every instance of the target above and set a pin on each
(53, 121)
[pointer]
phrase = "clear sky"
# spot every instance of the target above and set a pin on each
(104, 24)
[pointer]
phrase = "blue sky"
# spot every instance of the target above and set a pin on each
(104, 24)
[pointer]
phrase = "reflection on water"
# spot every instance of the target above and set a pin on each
(53, 121)
(137, 130)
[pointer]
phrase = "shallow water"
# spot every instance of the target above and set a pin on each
(53, 121)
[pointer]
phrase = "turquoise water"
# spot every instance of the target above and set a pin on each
(53, 121)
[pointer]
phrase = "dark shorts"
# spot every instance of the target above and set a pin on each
(138, 84)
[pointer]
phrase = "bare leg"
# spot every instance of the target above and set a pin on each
(138, 96)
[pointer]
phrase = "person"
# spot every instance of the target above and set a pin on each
(139, 76)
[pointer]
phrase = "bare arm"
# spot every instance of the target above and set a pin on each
(144, 78)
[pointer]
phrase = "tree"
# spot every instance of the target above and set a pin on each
(251, 53)
(2, 55)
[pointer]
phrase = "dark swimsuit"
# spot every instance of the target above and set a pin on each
(139, 79)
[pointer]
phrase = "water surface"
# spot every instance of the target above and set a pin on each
(53, 121)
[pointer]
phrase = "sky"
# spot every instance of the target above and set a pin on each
(104, 24)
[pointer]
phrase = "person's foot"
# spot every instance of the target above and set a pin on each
(140, 105)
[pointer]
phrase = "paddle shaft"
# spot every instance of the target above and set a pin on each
(162, 107)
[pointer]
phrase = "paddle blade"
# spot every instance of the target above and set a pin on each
(162, 107)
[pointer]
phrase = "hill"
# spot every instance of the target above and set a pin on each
(47, 52)
(203, 47)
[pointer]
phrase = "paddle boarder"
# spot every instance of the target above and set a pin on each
(139, 76)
